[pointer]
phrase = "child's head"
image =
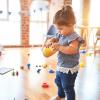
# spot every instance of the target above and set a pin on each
(64, 20)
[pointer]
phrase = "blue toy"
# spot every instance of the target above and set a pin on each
(38, 71)
(51, 71)
(28, 65)
(83, 51)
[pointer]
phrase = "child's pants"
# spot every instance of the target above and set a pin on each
(65, 83)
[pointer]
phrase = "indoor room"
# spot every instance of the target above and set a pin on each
(56, 48)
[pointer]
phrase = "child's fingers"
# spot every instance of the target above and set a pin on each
(49, 44)
(55, 46)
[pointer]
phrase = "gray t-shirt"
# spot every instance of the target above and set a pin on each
(67, 60)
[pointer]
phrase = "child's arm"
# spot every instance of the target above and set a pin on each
(71, 49)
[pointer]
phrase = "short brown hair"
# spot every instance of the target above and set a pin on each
(65, 16)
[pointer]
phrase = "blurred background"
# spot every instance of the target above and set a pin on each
(23, 28)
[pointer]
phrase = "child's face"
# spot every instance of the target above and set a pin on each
(65, 30)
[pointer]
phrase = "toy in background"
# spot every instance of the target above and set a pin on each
(0, 53)
(45, 85)
(97, 38)
(28, 65)
(15, 73)
(1, 50)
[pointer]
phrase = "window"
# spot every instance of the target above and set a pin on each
(77, 7)
(94, 20)
(3, 9)
(38, 21)
(94, 13)
(10, 28)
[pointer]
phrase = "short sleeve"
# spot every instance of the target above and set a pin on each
(75, 36)
(52, 32)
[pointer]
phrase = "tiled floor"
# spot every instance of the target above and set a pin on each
(28, 84)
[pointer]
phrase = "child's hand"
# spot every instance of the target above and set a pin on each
(55, 46)
(49, 42)
(54, 40)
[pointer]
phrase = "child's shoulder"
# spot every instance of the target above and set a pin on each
(75, 36)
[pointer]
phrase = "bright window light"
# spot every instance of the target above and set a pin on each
(10, 28)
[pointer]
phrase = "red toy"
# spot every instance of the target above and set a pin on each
(45, 85)
(17, 73)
